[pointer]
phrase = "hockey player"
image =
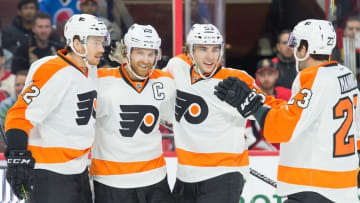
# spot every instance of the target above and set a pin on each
(318, 162)
(51, 127)
(209, 136)
(127, 164)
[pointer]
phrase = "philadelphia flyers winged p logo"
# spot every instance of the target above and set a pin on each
(133, 117)
(87, 107)
(192, 107)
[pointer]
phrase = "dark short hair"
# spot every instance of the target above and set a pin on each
(286, 31)
(318, 57)
(42, 15)
(24, 2)
(352, 18)
(22, 72)
(1, 52)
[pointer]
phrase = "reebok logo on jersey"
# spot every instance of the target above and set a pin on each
(87, 107)
(192, 107)
(133, 117)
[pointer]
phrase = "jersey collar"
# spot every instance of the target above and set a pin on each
(138, 86)
(62, 54)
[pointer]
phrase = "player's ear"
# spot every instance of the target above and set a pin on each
(78, 46)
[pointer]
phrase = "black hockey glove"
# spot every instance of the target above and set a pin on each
(19, 174)
(238, 94)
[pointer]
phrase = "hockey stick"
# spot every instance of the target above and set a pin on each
(263, 177)
(252, 171)
(2, 132)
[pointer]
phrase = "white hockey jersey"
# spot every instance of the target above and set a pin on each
(57, 110)
(209, 133)
(127, 152)
(318, 125)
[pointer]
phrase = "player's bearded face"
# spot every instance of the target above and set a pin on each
(95, 49)
(206, 57)
(142, 60)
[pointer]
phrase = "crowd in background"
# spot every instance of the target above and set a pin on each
(37, 31)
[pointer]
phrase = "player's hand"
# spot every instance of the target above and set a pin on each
(238, 94)
(117, 52)
(19, 174)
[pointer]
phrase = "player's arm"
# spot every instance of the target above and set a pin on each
(279, 123)
(241, 92)
(34, 104)
(167, 108)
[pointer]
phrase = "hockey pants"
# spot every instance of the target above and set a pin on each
(51, 187)
(157, 193)
(226, 188)
(307, 197)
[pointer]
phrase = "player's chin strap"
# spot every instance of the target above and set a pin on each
(297, 59)
(197, 69)
(200, 72)
(136, 75)
(83, 56)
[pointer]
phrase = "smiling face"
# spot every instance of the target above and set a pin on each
(142, 60)
(206, 57)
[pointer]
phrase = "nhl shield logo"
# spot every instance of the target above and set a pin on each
(138, 85)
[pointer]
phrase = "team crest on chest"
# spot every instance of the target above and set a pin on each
(138, 86)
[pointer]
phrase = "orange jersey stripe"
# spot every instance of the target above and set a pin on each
(274, 128)
(50, 155)
(15, 118)
(212, 159)
(317, 178)
(103, 167)
(106, 72)
(185, 58)
(358, 145)
(158, 73)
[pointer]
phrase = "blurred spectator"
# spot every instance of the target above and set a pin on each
(39, 44)
(266, 76)
(6, 79)
(284, 61)
(10, 101)
(118, 12)
(352, 25)
(19, 84)
(16, 34)
(91, 7)
(199, 12)
(59, 10)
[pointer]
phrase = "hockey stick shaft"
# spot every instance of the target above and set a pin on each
(2, 131)
(263, 177)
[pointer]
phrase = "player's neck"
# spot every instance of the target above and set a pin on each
(310, 62)
(76, 59)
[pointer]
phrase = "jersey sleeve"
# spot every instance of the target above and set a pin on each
(39, 98)
(167, 108)
(300, 112)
